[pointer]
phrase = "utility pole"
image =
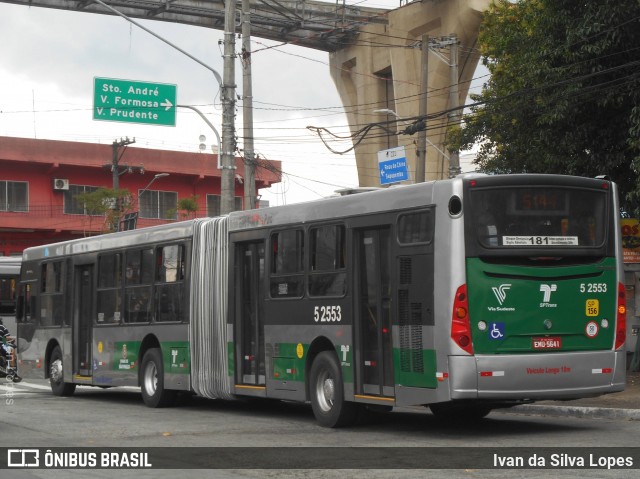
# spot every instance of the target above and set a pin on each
(115, 175)
(454, 103)
(247, 110)
(421, 146)
(115, 160)
(227, 176)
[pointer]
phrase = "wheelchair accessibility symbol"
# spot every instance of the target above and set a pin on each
(496, 331)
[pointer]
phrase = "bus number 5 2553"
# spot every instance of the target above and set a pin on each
(326, 314)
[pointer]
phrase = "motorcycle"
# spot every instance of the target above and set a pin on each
(8, 361)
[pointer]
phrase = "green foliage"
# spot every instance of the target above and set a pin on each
(188, 207)
(107, 203)
(564, 91)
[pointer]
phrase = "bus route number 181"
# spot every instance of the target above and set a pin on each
(327, 314)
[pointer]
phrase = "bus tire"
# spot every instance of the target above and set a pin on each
(327, 393)
(56, 375)
(152, 381)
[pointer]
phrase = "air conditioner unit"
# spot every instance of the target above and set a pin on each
(60, 184)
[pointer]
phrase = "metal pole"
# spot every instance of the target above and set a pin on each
(247, 110)
(227, 187)
(115, 172)
(206, 120)
(151, 32)
(421, 146)
(115, 175)
(454, 95)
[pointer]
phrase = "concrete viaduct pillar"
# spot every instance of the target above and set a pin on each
(382, 71)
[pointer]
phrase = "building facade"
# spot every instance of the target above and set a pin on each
(42, 184)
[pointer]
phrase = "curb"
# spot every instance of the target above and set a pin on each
(575, 411)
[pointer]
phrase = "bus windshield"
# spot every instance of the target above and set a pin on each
(539, 217)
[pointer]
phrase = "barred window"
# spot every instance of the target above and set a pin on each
(14, 196)
(72, 204)
(158, 204)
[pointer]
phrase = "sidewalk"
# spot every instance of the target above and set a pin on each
(622, 405)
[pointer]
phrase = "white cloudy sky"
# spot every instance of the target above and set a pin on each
(48, 59)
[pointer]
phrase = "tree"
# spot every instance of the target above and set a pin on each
(564, 91)
(187, 206)
(106, 203)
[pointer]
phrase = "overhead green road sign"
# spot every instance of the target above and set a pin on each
(134, 101)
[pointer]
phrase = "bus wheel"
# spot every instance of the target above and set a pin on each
(152, 381)
(327, 393)
(459, 412)
(56, 375)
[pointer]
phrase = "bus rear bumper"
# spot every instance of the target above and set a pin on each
(535, 377)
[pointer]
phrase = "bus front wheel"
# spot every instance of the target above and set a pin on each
(56, 375)
(327, 393)
(152, 381)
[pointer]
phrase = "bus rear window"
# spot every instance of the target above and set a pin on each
(539, 217)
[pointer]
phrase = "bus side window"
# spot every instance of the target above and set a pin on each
(110, 288)
(287, 264)
(169, 283)
(327, 276)
(415, 227)
(51, 297)
(138, 279)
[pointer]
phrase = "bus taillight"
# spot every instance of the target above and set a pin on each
(621, 323)
(460, 324)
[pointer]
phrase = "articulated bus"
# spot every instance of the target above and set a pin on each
(464, 295)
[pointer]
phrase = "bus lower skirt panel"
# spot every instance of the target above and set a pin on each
(537, 377)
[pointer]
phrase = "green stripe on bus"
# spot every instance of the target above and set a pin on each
(415, 368)
(175, 356)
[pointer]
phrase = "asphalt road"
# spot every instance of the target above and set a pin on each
(115, 418)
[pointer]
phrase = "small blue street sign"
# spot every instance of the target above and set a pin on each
(392, 164)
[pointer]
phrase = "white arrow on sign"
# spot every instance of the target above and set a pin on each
(166, 104)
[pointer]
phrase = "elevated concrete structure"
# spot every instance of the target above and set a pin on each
(309, 23)
(382, 70)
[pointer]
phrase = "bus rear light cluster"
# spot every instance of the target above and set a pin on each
(621, 323)
(460, 324)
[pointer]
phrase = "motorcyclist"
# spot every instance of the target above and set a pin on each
(7, 354)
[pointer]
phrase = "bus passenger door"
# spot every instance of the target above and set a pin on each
(82, 320)
(372, 337)
(249, 289)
